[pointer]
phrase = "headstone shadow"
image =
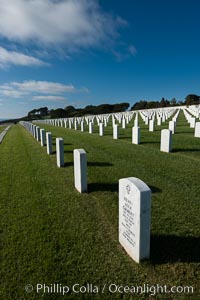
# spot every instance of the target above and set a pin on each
(186, 150)
(102, 186)
(68, 151)
(99, 164)
(154, 142)
(172, 248)
(154, 189)
(113, 187)
(68, 164)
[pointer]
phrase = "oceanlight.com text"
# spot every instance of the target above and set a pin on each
(112, 288)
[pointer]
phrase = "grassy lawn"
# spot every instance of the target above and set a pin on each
(52, 234)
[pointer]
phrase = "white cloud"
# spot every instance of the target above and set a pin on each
(51, 91)
(45, 87)
(75, 24)
(12, 93)
(15, 58)
(49, 98)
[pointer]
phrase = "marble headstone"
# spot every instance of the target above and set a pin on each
(134, 217)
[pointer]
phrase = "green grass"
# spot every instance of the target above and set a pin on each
(52, 234)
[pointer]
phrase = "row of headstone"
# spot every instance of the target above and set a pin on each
(134, 199)
(165, 144)
(80, 161)
(162, 115)
(191, 114)
(122, 118)
(3, 133)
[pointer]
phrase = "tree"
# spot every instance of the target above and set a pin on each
(58, 113)
(121, 107)
(139, 105)
(40, 112)
(173, 102)
(152, 104)
(192, 99)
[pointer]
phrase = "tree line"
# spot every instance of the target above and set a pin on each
(70, 111)
(190, 99)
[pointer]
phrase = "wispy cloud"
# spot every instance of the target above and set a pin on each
(39, 90)
(49, 98)
(12, 93)
(45, 87)
(132, 50)
(70, 24)
(8, 58)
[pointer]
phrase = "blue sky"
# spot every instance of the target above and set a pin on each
(57, 53)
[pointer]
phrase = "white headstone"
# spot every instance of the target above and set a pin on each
(90, 127)
(42, 137)
(101, 129)
(123, 123)
(35, 131)
(80, 170)
(60, 152)
(172, 126)
(192, 122)
(49, 142)
(115, 131)
(38, 133)
(82, 126)
(158, 121)
(134, 217)
(151, 125)
(136, 121)
(166, 140)
(75, 125)
(197, 130)
(136, 135)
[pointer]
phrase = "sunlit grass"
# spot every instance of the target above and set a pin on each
(52, 234)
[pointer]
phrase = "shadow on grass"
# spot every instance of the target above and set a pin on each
(99, 164)
(186, 150)
(172, 248)
(66, 151)
(184, 132)
(98, 186)
(124, 137)
(112, 187)
(149, 143)
(68, 164)
(154, 189)
(65, 144)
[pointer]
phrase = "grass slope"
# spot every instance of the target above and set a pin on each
(52, 234)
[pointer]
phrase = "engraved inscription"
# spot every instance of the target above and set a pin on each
(128, 222)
